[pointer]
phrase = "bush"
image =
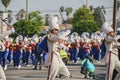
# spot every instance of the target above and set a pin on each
(88, 26)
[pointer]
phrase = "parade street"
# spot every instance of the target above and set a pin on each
(26, 73)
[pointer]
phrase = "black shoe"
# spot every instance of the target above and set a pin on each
(70, 76)
(34, 68)
(93, 77)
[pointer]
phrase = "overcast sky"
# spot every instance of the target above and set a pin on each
(54, 5)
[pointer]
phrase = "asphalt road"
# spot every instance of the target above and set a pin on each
(27, 73)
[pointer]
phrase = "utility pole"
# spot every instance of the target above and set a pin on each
(86, 3)
(27, 10)
(114, 15)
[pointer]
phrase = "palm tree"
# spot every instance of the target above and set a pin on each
(46, 19)
(103, 8)
(62, 8)
(68, 11)
(91, 8)
(118, 5)
(5, 3)
(34, 15)
(20, 15)
(10, 18)
(61, 11)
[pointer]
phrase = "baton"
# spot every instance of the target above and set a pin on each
(108, 76)
(7, 24)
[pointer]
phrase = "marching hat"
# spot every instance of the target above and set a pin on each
(106, 28)
(53, 23)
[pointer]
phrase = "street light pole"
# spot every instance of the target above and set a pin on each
(27, 10)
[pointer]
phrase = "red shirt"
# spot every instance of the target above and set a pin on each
(87, 47)
(14, 48)
(7, 44)
(33, 46)
(74, 45)
(20, 45)
(29, 47)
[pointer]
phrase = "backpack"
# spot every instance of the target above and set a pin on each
(43, 45)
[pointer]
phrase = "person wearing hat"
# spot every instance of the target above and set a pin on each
(2, 48)
(6, 52)
(53, 60)
(112, 52)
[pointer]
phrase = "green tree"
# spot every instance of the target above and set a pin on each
(82, 14)
(91, 7)
(68, 11)
(97, 16)
(87, 26)
(10, 18)
(5, 3)
(35, 17)
(69, 20)
(30, 27)
(20, 15)
(83, 21)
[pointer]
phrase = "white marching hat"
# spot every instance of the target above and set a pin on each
(106, 28)
(53, 23)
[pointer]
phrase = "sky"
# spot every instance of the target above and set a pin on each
(53, 5)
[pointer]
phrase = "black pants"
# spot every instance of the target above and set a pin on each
(38, 60)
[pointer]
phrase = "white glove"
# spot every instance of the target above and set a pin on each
(65, 33)
(117, 37)
(12, 30)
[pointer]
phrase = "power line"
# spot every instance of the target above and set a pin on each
(56, 10)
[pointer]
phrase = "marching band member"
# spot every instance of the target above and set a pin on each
(10, 56)
(112, 52)
(6, 52)
(19, 50)
(54, 61)
(2, 46)
(81, 48)
(33, 43)
(25, 43)
(28, 51)
(102, 47)
(87, 45)
(2, 49)
(14, 47)
(96, 46)
(97, 51)
(74, 47)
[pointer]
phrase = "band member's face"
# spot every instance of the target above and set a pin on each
(55, 31)
(112, 33)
